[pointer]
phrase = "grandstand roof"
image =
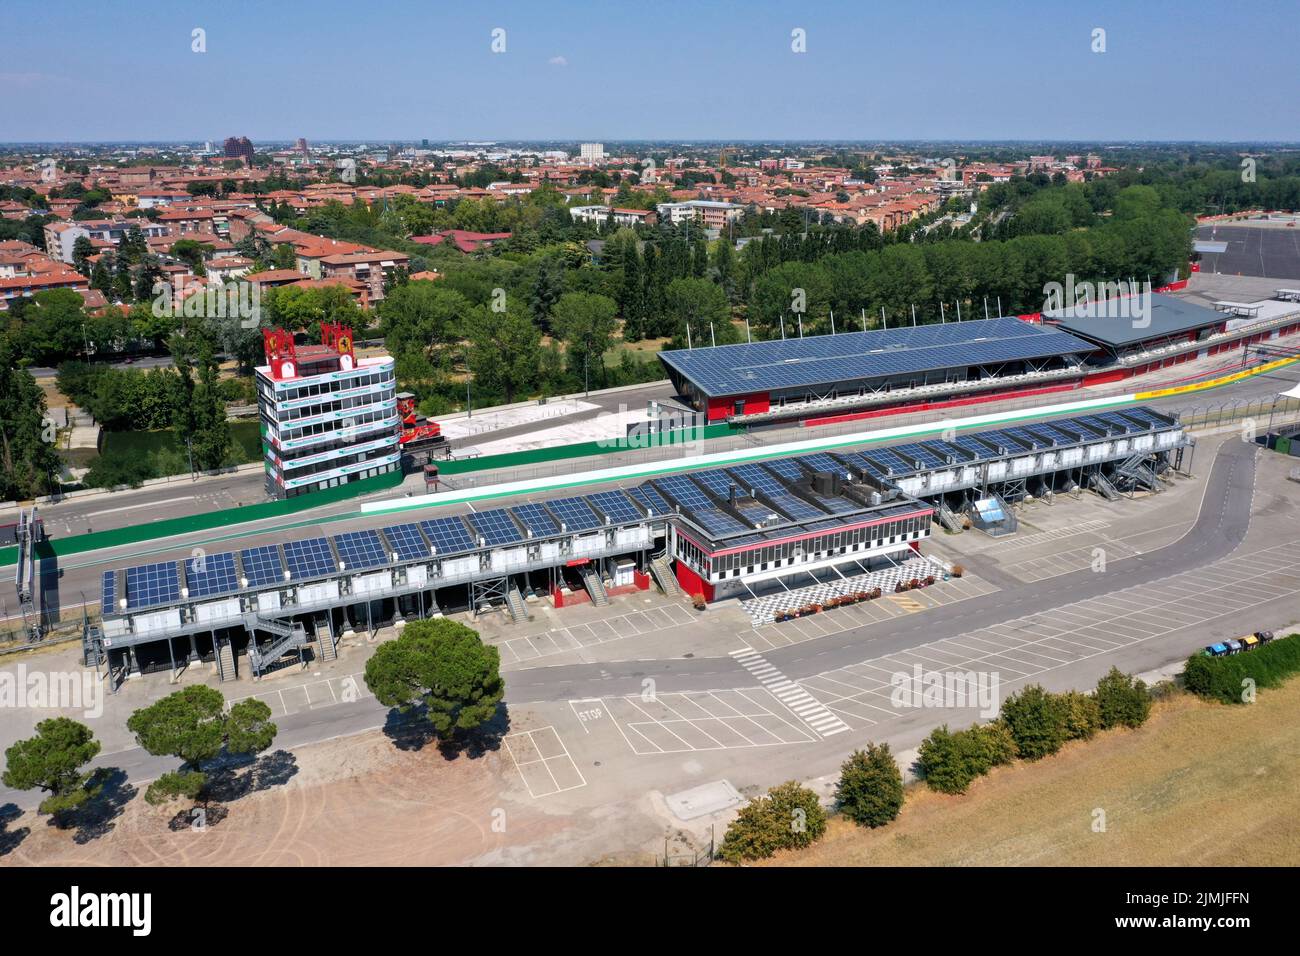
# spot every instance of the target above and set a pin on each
(854, 356)
(1115, 323)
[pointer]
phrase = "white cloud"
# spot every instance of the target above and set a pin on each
(558, 61)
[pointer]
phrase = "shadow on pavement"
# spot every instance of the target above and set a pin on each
(9, 839)
(95, 818)
(412, 731)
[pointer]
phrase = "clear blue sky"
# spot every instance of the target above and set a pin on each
(609, 70)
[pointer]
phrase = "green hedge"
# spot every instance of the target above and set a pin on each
(1221, 678)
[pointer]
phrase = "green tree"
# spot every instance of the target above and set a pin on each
(444, 666)
(789, 816)
(870, 791)
(82, 250)
(503, 351)
(29, 464)
(285, 257)
(701, 306)
(52, 761)
(586, 322)
(1038, 721)
(194, 726)
(1122, 700)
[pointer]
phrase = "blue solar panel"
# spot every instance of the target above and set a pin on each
(575, 513)
(646, 494)
(753, 476)
(496, 526)
(407, 541)
(787, 468)
(311, 558)
(824, 462)
(536, 519)
(360, 549)
(852, 462)
(717, 481)
(211, 574)
(151, 584)
(449, 535)
(948, 448)
(616, 506)
(855, 356)
(926, 456)
(108, 592)
(683, 491)
(715, 521)
(261, 565)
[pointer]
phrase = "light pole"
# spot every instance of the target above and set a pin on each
(469, 404)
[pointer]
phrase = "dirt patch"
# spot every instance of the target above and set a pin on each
(1200, 785)
(352, 801)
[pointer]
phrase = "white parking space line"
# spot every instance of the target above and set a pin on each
(544, 762)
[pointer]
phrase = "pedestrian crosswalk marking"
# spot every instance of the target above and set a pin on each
(803, 704)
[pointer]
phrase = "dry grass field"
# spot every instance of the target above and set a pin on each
(1201, 784)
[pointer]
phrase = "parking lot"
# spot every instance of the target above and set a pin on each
(592, 632)
(687, 722)
(1024, 649)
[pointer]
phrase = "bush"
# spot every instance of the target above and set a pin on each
(1123, 700)
(870, 791)
(989, 746)
(788, 817)
(951, 760)
(1082, 715)
(111, 470)
(1221, 678)
(1038, 721)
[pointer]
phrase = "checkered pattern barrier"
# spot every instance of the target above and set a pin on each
(763, 609)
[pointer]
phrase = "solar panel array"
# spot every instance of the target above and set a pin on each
(537, 520)
(449, 535)
(407, 541)
(261, 565)
(108, 591)
(496, 527)
(210, 574)
(616, 506)
(360, 549)
(150, 584)
(704, 497)
(855, 356)
(575, 513)
(309, 559)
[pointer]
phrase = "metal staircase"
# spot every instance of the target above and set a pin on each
(1138, 470)
(665, 578)
(289, 636)
(92, 644)
(325, 637)
(948, 518)
(225, 661)
(595, 586)
(1101, 484)
(516, 606)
